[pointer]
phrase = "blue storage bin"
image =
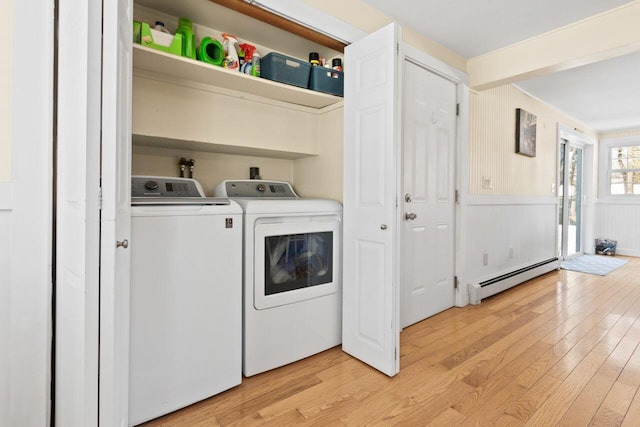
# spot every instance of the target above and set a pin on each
(327, 80)
(285, 69)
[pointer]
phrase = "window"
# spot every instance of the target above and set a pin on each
(624, 170)
(620, 167)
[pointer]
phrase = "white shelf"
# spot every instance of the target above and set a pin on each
(148, 59)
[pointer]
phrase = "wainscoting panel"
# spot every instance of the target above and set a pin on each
(505, 233)
(619, 222)
(5, 295)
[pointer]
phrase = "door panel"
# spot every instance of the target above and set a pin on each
(570, 205)
(370, 285)
(427, 251)
(77, 216)
(116, 212)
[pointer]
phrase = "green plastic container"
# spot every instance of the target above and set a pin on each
(137, 28)
(146, 39)
(211, 51)
(185, 28)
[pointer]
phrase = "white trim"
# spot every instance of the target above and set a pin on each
(305, 15)
(628, 252)
(572, 135)
(479, 200)
(6, 196)
(620, 200)
(604, 163)
(577, 139)
(435, 65)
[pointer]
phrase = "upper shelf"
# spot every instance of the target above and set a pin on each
(148, 59)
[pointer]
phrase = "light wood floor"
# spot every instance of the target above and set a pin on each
(561, 349)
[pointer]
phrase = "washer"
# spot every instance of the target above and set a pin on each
(186, 296)
(292, 273)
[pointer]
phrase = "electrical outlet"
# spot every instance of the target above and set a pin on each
(553, 188)
(487, 184)
(485, 259)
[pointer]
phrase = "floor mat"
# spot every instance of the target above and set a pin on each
(593, 264)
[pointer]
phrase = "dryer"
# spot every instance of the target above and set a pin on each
(186, 296)
(292, 305)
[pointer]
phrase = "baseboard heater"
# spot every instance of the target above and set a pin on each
(479, 291)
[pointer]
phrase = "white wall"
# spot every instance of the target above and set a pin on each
(25, 218)
(367, 18)
(321, 175)
(617, 218)
(514, 221)
(492, 144)
(210, 168)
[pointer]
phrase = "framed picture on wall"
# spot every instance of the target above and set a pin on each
(525, 133)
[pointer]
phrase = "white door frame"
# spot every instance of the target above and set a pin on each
(569, 134)
(26, 217)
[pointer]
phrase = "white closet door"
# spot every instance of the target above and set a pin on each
(78, 215)
(116, 210)
(371, 330)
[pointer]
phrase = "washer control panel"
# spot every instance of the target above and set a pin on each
(255, 188)
(157, 186)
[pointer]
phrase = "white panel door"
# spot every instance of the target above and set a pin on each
(370, 284)
(428, 143)
(116, 210)
(78, 215)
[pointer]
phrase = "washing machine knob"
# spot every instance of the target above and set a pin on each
(261, 188)
(151, 185)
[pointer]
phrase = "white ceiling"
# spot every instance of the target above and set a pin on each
(603, 96)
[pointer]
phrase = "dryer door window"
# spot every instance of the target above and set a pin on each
(295, 261)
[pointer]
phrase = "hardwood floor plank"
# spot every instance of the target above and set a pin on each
(561, 348)
(447, 418)
(588, 401)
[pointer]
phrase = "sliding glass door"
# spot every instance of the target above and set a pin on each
(570, 200)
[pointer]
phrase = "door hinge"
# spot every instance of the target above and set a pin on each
(457, 109)
(100, 198)
(395, 353)
(456, 282)
(457, 196)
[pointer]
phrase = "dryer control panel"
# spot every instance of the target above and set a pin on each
(257, 188)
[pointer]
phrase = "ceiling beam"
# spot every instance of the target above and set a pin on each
(603, 36)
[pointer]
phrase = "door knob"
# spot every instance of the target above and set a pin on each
(383, 226)
(410, 216)
(407, 198)
(124, 244)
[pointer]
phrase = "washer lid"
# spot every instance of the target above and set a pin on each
(289, 206)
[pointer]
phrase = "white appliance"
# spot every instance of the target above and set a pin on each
(292, 273)
(186, 296)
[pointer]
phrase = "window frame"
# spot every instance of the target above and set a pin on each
(605, 169)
